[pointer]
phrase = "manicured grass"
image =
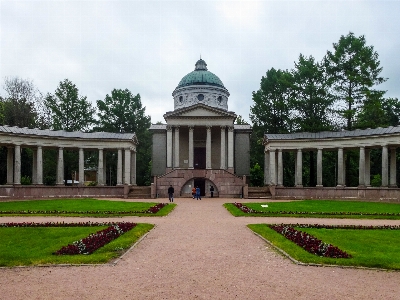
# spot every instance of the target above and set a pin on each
(85, 207)
(315, 208)
(378, 248)
(32, 246)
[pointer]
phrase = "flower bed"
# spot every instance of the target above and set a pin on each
(249, 210)
(309, 242)
(89, 244)
(152, 210)
(95, 241)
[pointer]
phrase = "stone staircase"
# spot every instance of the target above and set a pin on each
(139, 192)
(259, 192)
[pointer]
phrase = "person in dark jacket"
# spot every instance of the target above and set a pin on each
(212, 191)
(171, 193)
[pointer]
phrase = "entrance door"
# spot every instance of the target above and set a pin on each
(199, 158)
(201, 183)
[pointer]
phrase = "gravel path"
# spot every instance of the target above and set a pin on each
(200, 251)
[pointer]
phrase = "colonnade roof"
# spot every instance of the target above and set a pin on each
(332, 134)
(14, 130)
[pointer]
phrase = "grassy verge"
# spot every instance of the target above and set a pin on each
(321, 209)
(34, 246)
(369, 248)
(82, 207)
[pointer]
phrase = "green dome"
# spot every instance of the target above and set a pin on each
(200, 76)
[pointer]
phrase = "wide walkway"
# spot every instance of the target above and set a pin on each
(200, 251)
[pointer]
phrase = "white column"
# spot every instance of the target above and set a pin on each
(361, 168)
(230, 148)
(176, 147)
(384, 166)
(169, 147)
(208, 148)
(191, 147)
(280, 168)
(127, 166)
(272, 172)
(105, 167)
(340, 177)
(319, 167)
(81, 168)
(39, 165)
(367, 167)
(295, 169)
(266, 167)
(10, 165)
(393, 167)
(60, 166)
(223, 149)
(34, 166)
(299, 169)
(119, 167)
(17, 164)
(133, 166)
(100, 169)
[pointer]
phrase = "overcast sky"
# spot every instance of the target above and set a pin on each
(148, 46)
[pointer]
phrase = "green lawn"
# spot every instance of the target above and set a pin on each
(32, 246)
(320, 209)
(369, 248)
(79, 207)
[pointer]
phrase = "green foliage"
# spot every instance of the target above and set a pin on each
(240, 121)
(256, 176)
(376, 180)
(325, 206)
(85, 206)
(26, 180)
(369, 248)
(123, 112)
(69, 111)
(353, 69)
(34, 246)
(92, 183)
(311, 102)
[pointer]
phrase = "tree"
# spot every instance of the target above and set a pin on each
(312, 103)
(240, 121)
(19, 102)
(123, 112)
(69, 111)
(353, 69)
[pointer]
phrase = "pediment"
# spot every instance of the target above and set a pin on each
(199, 111)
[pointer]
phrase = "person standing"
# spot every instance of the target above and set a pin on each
(193, 192)
(171, 193)
(198, 196)
(212, 191)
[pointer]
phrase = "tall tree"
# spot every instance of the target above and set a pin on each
(354, 69)
(123, 112)
(312, 102)
(69, 111)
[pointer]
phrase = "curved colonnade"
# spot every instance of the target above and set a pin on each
(15, 138)
(386, 139)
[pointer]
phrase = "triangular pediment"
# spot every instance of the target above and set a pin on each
(199, 111)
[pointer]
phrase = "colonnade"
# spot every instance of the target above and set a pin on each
(273, 166)
(226, 153)
(126, 166)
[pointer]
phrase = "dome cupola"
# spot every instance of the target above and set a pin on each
(201, 86)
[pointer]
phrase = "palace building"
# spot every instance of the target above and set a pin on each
(200, 146)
